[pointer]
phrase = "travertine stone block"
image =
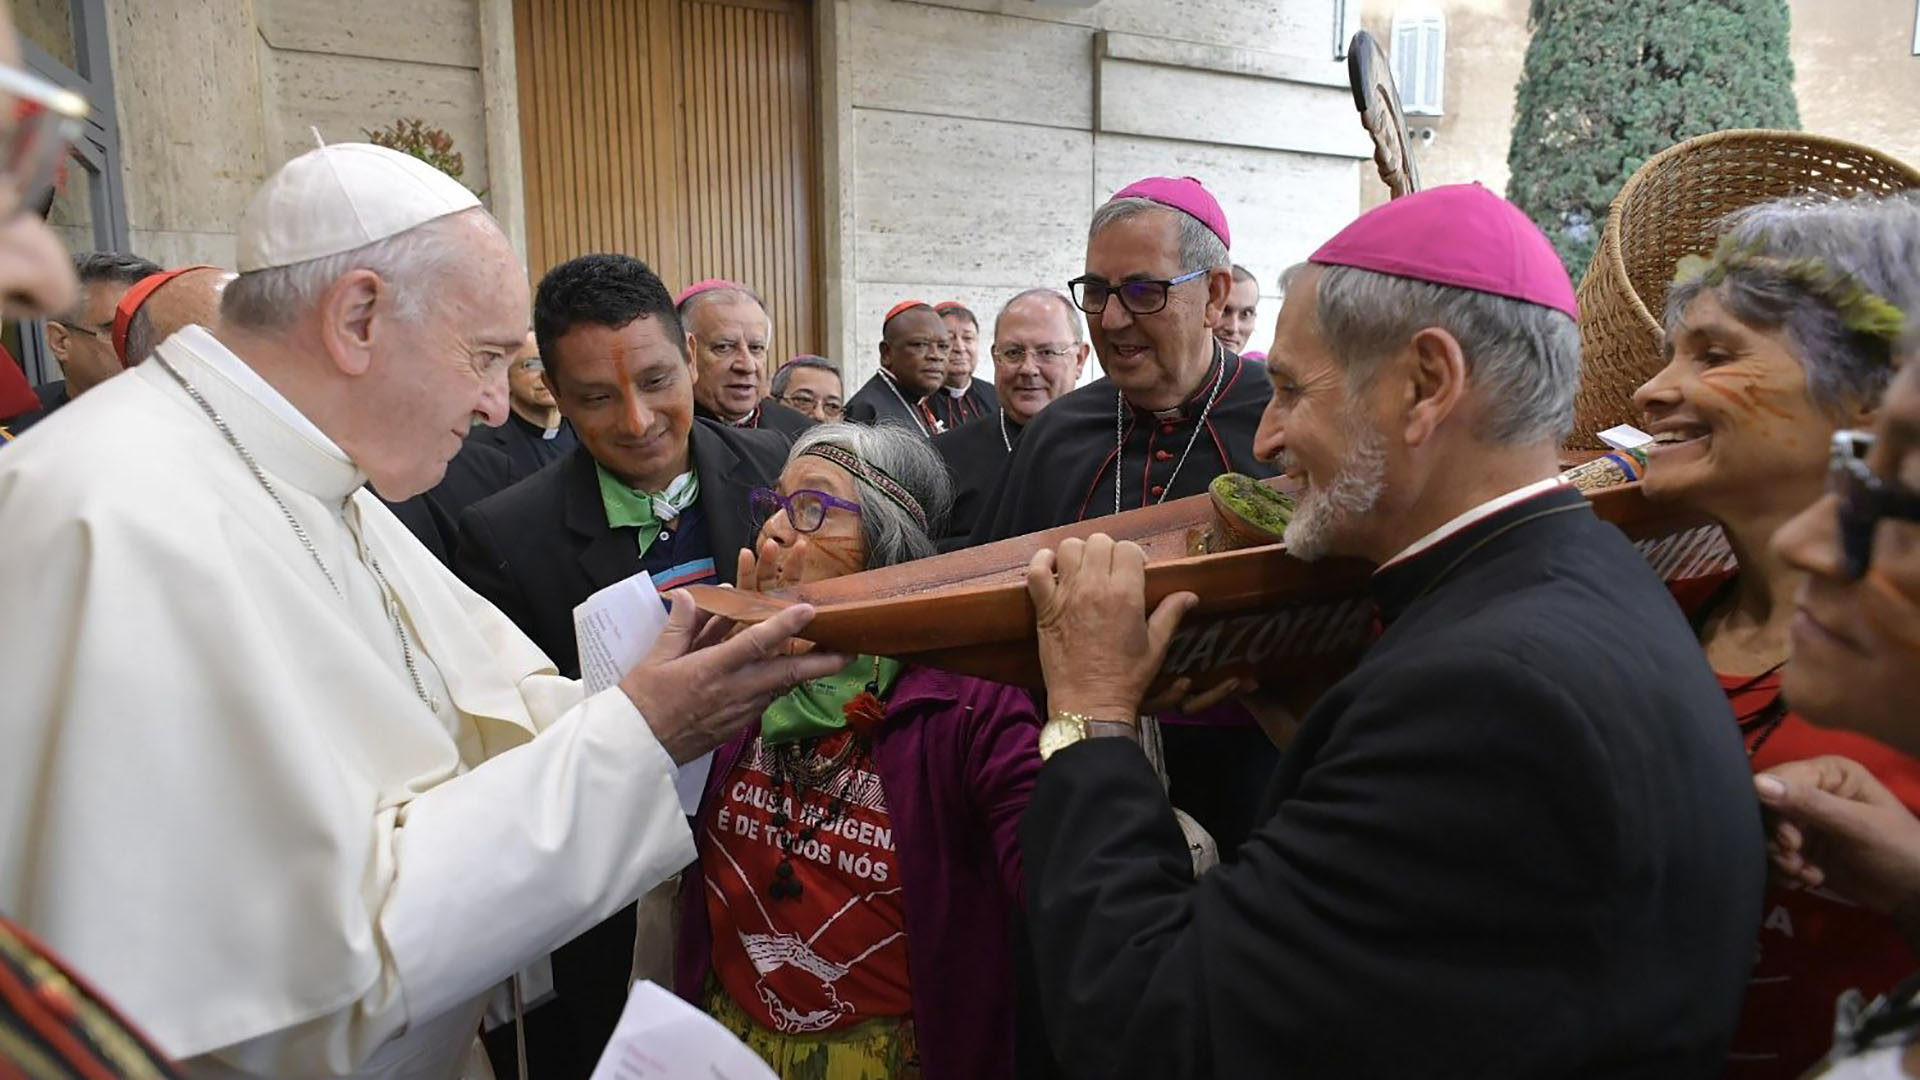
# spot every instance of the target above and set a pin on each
(343, 96)
(965, 64)
(426, 31)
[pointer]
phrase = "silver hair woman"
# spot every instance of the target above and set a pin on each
(1778, 339)
(871, 810)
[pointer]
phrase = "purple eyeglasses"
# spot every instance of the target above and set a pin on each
(806, 509)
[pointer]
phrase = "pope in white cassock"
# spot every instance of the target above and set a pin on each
(274, 779)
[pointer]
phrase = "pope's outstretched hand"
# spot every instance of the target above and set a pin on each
(699, 686)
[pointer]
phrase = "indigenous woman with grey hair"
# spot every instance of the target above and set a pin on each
(1780, 338)
(859, 868)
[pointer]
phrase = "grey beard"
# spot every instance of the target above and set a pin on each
(1354, 491)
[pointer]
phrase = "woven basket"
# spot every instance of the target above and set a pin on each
(1672, 207)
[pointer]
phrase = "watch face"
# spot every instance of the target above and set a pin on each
(1057, 733)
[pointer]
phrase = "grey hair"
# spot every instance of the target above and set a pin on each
(410, 261)
(1200, 249)
(1874, 240)
(1523, 357)
(891, 534)
(140, 335)
(1074, 316)
(120, 268)
(784, 377)
(729, 293)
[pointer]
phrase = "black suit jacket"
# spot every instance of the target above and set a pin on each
(976, 455)
(1519, 840)
(769, 416)
(476, 472)
(543, 545)
(525, 445)
(877, 403)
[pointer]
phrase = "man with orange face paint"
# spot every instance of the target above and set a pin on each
(651, 487)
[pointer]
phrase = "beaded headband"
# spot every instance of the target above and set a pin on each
(873, 476)
(1861, 310)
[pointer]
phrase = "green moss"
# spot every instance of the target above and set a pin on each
(1258, 505)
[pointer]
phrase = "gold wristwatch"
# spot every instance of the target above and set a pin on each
(1066, 728)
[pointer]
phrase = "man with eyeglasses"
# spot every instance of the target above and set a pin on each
(963, 398)
(536, 434)
(728, 338)
(913, 366)
(810, 385)
(1038, 351)
(1175, 410)
(81, 337)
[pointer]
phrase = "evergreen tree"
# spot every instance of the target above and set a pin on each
(1610, 83)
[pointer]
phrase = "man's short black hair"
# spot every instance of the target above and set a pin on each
(94, 267)
(114, 266)
(601, 290)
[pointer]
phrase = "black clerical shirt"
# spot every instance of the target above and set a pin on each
(976, 455)
(1064, 469)
(1518, 840)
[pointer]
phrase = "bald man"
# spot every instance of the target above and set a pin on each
(190, 298)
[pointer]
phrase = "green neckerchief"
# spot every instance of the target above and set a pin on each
(818, 707)
(643, 510)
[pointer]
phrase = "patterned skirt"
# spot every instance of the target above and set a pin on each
(878, 1049)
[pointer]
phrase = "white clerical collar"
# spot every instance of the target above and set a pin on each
(262, 419)
(1484, 510)
(958, 391)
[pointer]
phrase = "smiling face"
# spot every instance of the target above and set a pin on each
(1856, 644)
(628, 393)
(1320, 434)
(1738, 434)
(728, 340)
(914, 351)
(837, 547)
(1235, 327)
(1026, 384)
(1158, 359)
(963, 349)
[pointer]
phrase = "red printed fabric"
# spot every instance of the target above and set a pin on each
(836, 955)
(1814, 945)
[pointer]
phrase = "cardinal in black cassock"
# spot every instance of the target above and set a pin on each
(1174, 411)
(1519, 840)
(913, 366)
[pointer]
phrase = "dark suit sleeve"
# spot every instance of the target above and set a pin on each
(861, 412)
(480, 563)
(1440, 863)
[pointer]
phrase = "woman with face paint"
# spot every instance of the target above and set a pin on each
(859, 872)
(1780, 337)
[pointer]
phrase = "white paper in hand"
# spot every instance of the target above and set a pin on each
(661, 1037)
(614, 629)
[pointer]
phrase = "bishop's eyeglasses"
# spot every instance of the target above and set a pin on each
(1142, 296)
(1863, 498)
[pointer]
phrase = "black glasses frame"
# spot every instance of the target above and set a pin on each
(1142, 296)
(1863, 499)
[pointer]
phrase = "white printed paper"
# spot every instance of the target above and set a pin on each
(661, 1037)
(1625, 437)
(614, 629)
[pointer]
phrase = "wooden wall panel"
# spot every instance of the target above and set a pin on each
(681, 132)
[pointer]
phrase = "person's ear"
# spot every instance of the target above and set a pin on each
(1219, 290)
(1436, 370)
(350, 320)
(59, 340)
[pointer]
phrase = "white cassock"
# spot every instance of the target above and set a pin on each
(222, 796)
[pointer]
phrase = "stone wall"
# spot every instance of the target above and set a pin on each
(967, 142)
(213, 95)
(1854, 73)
